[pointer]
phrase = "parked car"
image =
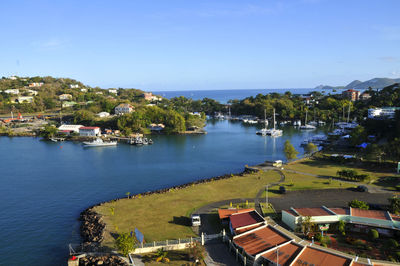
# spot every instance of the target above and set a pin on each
(196, 220)
(282, 190)
(362, 188)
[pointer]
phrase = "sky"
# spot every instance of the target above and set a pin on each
(201, 44)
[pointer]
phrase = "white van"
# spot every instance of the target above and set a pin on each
(196, 220)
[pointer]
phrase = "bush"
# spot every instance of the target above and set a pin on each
(373, 234)
(358, 204)
(318, 237)
(391, 243)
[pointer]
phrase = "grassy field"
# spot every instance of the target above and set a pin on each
(166, 216)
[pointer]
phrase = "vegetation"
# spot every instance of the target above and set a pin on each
(306, 225)
(49, 131)
(352, 175)
(394, 204)
(289, 151)
(310, 148)
(342, 227)
(358, 204)
(125, 243)
(373, 234)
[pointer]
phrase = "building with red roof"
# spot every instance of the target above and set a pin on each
(243, 220)
(351, 94)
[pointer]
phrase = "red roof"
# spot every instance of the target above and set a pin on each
(245, 219)
(382, 215)
(285, 253)
(88, 128)
(260, 240)
(313, 212)
(225, 213)
(340, 211)
(248, 228)
(318, 257)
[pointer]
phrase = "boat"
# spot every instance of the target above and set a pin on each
(307, 126)
(273, 132)
(99, 143)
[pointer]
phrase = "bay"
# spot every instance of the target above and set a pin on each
(45, 185)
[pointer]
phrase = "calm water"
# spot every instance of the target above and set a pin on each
(45, 185)
(223, 96)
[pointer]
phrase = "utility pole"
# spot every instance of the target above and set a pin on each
(266, 196)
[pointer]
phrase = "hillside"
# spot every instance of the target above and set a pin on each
(375, 83)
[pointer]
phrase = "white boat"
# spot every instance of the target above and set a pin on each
(99, 143)
(297, 123)
(307, 126)
(273, 132)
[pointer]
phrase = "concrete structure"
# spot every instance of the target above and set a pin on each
(12, 91)
(352, 95)
(89, 131)
(74, 128)
(123, 108)
(65, 97)
(103, 114)
(382, 113)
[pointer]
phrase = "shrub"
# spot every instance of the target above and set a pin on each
(373, 234)
(391, 243)
(358, 204)
(318, 237)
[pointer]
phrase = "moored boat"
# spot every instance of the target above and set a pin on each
(99, 143)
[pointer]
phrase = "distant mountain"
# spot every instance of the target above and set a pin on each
(376, 83)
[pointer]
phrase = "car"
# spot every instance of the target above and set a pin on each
(196, 220)
(362, 188)
(282, 190)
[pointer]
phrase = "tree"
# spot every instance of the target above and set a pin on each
(307, 226)
(373, 234)
(342, 227)
(290, 151)
(49, 131)
(310, 148)
(125, 243)
(127, 194)
(394, 203)
(358, 204)
(162, 255)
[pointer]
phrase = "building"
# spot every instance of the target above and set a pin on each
(13, 77)
(113, 91)
(12, 91)
(362, 220)
(35, 84)
(83, 90)
(382, 113)
(365, 96)
(244, 221)
(67, 104)
(156, 127)
(74, 86)
(103, 114)
(89, 131)
(23, 99)
(32, 92)
(148, 96)
(70, 128)
(65, 97)
(123, 108)
(352, 95)
(99, 92)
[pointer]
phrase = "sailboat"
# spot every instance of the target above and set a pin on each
(273, 132)
(264, 130)
(307, 126)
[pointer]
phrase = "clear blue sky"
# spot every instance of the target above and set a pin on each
(202, 44)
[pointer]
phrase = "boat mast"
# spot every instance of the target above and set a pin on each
(274, 118)
(265, 119)
(305, 122)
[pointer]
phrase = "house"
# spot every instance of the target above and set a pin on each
(13, 77)
(74, 86)
(113, 91)
(244, 221)
(103, 114)
(65, 97)
(12, 91)
(382, 113)
(70, 128)
(156, 127)
(89, 131)
(352, 95)
(365, 96)
(23, 99)
(123, 108)
(32, 92)
(99, 92)
(35, 84)
(67, 104)
(83, 90)
(148, 96)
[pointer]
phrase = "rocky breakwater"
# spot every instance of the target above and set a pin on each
(101, 260)
(92, 227)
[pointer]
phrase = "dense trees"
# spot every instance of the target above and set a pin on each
(289, 151)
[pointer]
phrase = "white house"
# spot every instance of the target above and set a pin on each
(12, 91)
(74, 86)
(68, 104)
(65, 97)
(123, 108)
(35, 84)
(103, 114)
(99, 93)
(83, 90)
(32, 92)
(12, 77)
(74, 128)
(382, 113)
(22, 99)
(114, 91)
(89, 131)
(156, 127)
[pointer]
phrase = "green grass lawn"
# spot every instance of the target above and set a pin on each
(166, 216)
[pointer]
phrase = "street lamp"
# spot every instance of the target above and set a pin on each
(266, 196)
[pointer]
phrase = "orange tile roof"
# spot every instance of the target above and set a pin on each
(320, 258)
(225, 213)
(285, 255)
(340, 211)
(245, 219)
(260, 240)
(369, 214)
(313, 211)
(243, 230)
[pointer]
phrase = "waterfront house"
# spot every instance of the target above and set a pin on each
(89, 131)
(123, 108)
(73, 128)
(12, 91)
(65, 97)
(103, 114)
(156, 127)
(352, 95)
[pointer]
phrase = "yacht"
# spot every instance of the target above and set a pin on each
(307, 126)
(273, 132)
(99, 143)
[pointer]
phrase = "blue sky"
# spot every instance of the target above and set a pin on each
(202, 44)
